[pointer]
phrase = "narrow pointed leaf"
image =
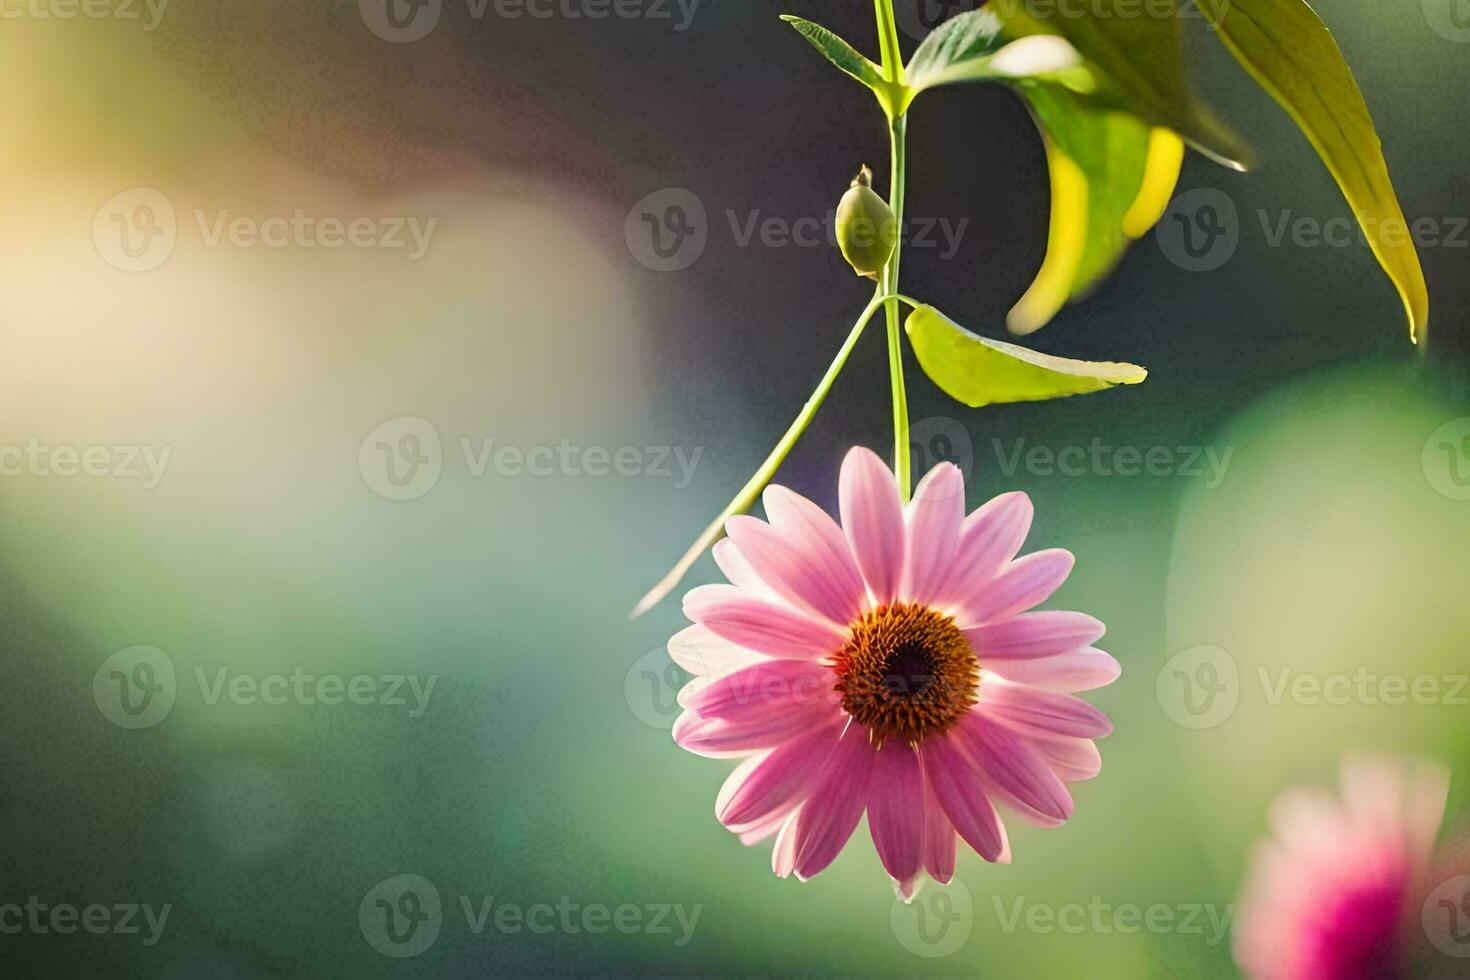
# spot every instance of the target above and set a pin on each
(839, 52)
(979, 372)
(1291, 53)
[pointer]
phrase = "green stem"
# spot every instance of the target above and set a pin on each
(752, 490)
(898, 138)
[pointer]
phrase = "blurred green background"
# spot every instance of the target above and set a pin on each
(1328, 540)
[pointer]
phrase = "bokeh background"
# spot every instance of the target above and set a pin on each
(541, 769)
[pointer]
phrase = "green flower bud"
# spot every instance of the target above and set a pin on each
(866, 230)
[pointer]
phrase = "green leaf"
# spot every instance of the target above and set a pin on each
(1291, 53)
(1111, 175)
(1140, 53)
(979, 372)
(840, 53)
(971, 47)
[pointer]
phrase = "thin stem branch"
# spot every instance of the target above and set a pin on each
(752, 490)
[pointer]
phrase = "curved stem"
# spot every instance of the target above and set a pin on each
(752, 490)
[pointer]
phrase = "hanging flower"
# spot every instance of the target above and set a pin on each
(891, 666)
(1331, 894)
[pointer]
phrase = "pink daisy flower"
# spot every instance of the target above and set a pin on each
(1330, 895)
(889, 666)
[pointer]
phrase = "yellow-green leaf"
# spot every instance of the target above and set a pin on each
(1291, 53)
(1141, 55)
(1111, 175)
(979, 372)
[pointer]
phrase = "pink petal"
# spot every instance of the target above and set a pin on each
(776, 685)
(896, 810)
(739, 571)
(1024, 584)
(872, 519)
(751, 731)
(934, 519)
(957, 787)
(761, 626)
(790, 567)
(779, 778)
(1072, 759)
(704, 654)
(1029, 711)
(830, 814)
(989, 538)
(1037, 634)
(753, 834)
(1015, 771)
(794, 515)
(783, 855)
(939, 837)
(1084, 670)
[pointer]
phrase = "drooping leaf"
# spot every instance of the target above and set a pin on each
(972, 47)
(1140, 54)
(1111, 177)
(978, 372)
(1292, 54)
(839, 52)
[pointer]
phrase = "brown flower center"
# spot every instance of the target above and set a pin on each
(906, 672)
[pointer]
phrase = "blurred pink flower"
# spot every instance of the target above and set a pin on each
(1331, 894)
(889, 666)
